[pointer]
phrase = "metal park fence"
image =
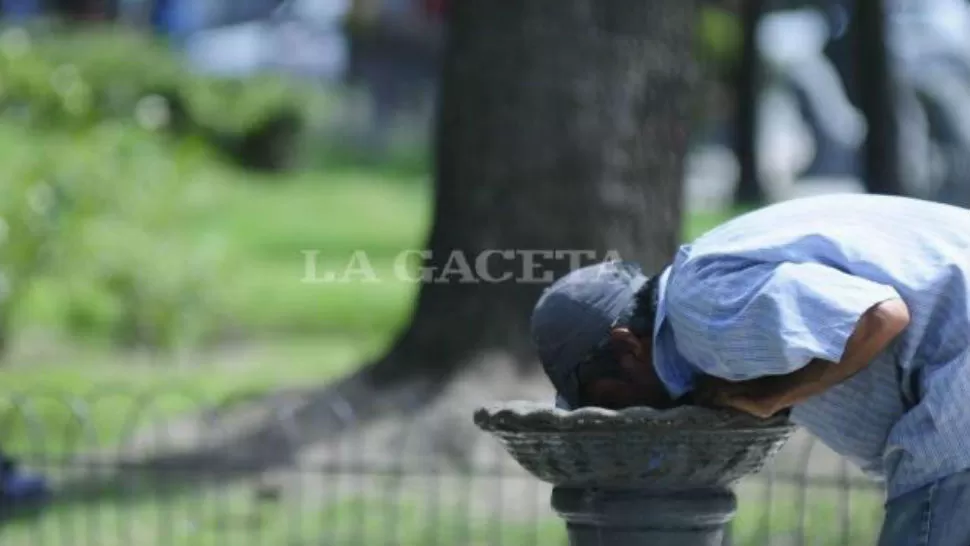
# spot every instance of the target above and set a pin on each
(130, 470)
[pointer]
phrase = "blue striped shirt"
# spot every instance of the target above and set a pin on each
(771, 290)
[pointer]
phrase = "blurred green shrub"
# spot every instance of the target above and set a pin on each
(77, 78)
(30, 215)
(132, 276)
(719, 34)
(100, 222)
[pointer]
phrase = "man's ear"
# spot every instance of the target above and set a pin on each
(625, 342)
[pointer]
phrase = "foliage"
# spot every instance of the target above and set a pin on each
(78, 78)
(94, 195)
(134, 276)
(719, 34)
(29, 217)
(100, 221)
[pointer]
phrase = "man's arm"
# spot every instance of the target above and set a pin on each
(766, 396)
(773, 334)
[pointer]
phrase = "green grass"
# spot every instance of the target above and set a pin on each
(824, 515)
(698, 223)
(336, 213)
(272, 227)
(233, 516)
(72, 398)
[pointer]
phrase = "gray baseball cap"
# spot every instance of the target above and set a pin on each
(574, 316)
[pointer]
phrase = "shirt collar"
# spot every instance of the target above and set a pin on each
(672, 369)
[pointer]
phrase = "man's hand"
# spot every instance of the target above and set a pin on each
(761, 407)
(747, 396)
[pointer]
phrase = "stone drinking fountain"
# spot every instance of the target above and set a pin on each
(639, 476)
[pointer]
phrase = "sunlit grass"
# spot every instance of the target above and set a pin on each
(66, 399)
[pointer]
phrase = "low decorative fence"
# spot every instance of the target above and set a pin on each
(127, 470)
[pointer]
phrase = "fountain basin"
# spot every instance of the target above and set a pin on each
(637, 448)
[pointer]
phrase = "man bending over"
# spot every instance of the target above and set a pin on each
(851, 312)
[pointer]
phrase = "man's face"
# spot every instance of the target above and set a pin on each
(639, 386)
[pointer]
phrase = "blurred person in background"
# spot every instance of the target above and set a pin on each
(312, 38)
(178, 19)
(18, 10)
(792, 42)
(929, 46)
(918, 28)
(395, 47)
(19, 489)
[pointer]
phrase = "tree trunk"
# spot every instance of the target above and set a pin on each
(85, 10)
(747, 92)
(876, 97)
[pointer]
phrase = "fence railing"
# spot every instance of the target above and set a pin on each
(168, 470)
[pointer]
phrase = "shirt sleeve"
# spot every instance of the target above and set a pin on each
(769, 319)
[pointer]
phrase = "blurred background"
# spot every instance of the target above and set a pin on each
(176, 174)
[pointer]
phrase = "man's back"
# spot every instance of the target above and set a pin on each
(904, 414)
(920, 248)
(852, 216)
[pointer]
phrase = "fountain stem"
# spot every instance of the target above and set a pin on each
(597, 517)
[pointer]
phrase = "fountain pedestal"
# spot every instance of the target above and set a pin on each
(636, 518)
(639, 476)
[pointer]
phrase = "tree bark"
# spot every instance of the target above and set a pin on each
(877, 97)
(86, 10)
(747, 92)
